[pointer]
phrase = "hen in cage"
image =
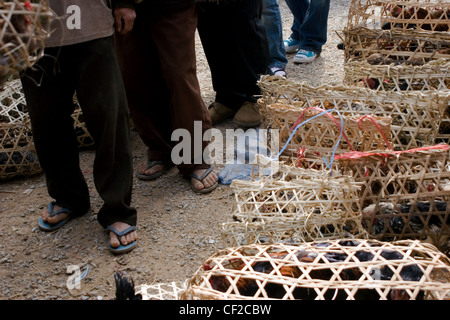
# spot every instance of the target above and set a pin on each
(352, 269)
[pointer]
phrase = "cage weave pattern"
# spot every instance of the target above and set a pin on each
(161, 291)
(18, 156)
(416, 116)
(294, 205)
(350, 269)
(322, 134)
(404, 194)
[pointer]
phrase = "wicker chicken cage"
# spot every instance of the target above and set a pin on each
(416, 116)
(24, 27)
(403, 15)
(347, 269)
(18, 156)
(294, 205)
(434, 75)
(384, 32)
(404, 194)
(387, 47)
(316, 131)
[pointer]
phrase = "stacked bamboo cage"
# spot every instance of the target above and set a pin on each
(18, 156)
(415, 117)
(400, 45)
(405, 194)
(399, 32)
(294, 205)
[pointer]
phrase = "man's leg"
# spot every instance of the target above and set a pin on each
(49, 90)
(102, 98)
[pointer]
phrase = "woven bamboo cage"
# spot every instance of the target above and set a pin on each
(385, 47)
(400, 32)
(161, 291)
(405, 194)
(416, 116)
(294, 205)
(352, 269)
(434, 75)
(426, 15)
(24, 27)
(18, 156)
(321, 132)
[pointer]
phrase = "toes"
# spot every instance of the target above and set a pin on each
(143, 169)
(114, 241)
(55, 219)
(124, 240)
(207, 182)
(210, 180)
(129, 238)
(45, 215)
(197, 184)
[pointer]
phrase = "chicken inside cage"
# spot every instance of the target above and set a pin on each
(327, 270)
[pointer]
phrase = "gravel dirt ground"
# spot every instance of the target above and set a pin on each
(178, 229)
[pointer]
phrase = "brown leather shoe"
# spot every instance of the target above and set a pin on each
(248, 115)
(218, 112)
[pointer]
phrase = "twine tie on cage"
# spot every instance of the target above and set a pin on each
(377, 126)
(297, 126)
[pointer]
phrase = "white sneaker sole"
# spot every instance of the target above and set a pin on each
(303, 59)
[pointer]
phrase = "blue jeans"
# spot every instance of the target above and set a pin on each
(310, 23)
(271, 18)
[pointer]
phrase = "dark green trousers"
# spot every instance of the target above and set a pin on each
(91, 70)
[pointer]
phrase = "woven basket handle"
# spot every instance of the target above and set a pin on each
(377, 126)
(299, 120)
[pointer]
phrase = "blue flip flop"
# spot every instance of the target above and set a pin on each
(45, 226)
(203, 176)
(150, 163)
(121, 248)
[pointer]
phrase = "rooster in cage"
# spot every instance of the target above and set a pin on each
(405, 216)
(247, 286)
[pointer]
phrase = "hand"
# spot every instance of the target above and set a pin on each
(124, 19)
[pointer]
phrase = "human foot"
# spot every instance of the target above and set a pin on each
(54, 217)
(122, 237)
(152, 169)
(204, 180)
